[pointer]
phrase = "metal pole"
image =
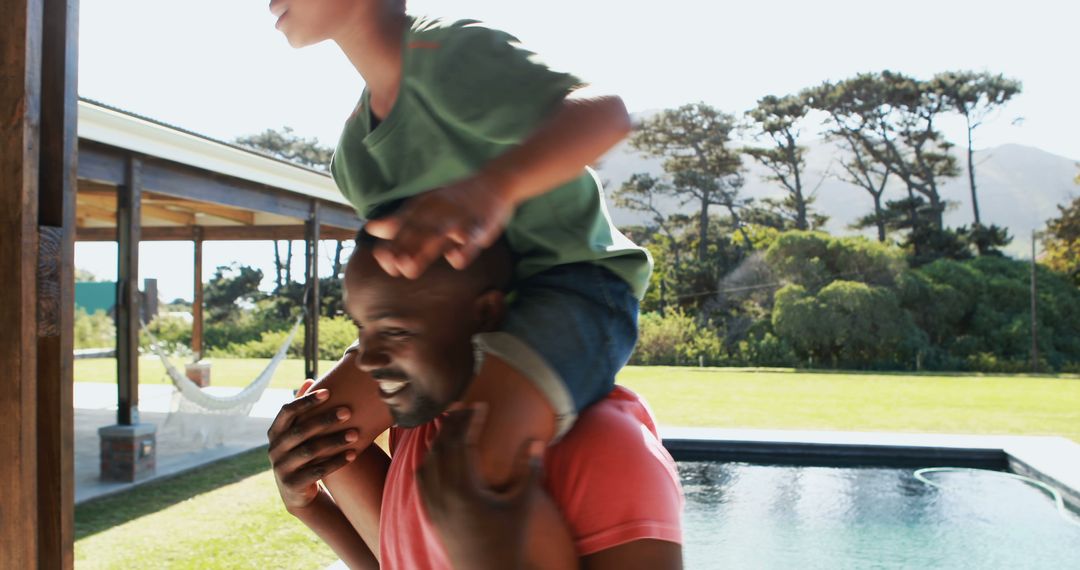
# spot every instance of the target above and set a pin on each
(1034, 314)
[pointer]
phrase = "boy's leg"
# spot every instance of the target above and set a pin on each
(567, 333)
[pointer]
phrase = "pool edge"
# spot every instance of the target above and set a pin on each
(1051, 460)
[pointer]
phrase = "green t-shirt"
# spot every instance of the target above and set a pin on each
(468, 94)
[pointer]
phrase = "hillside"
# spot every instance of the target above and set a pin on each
(1019, 187)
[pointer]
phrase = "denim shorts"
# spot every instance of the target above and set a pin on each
(569, 329)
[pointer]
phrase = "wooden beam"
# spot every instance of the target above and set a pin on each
(245, 217)
(127, 287)
(101, 163)
(98, 200)
(20, 48)
(164, 214)
(182, 181)
(103, 203)
(197, 302)
(105, 164)
(56, 311)
(84, 210)
(311, 279)
(217, 233)
(339, 216)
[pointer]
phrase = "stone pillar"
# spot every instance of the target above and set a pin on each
(128, 452)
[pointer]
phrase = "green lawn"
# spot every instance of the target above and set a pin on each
(225, 516)
(779, 399)
(228, 516)
(713, 397)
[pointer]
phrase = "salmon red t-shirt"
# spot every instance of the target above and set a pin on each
(610, 476)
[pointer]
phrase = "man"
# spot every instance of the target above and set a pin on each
(425, 507)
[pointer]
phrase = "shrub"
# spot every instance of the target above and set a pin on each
(766, 350)
(335, 335)
(94, 331)
(673, 337)
(173, 332)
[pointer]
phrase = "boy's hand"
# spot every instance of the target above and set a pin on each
(304, 452)
(456, 221)
(481, 527)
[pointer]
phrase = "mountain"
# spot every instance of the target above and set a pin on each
(1019, 187)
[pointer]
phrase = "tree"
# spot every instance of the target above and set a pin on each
(230, 284)
(640, 194)
(85, 276)
(286, 145)
(700, 166)
(860, 170)
(1062, 241)
(975, 95)
(892, 119)
(778, 119)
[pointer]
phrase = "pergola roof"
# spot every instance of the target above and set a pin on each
(192, 181)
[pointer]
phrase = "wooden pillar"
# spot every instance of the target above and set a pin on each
(20, 44)
(311, 277)
(56, 284)
(197, 302)
(128, 216)
(37, 177)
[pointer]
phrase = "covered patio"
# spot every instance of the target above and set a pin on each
(72, 169)
(142, 180)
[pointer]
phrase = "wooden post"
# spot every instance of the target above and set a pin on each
(311, 278)
(197, 302)
(128, 216)
(56, 284)
(37, 178)
(20, 45)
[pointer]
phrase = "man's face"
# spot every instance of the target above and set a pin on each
(415, 337)
(307, 22)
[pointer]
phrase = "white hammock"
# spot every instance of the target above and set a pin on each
(212, 413)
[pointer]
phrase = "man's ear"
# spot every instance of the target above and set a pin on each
(488, 310)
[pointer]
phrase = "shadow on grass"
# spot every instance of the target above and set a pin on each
(98, 515)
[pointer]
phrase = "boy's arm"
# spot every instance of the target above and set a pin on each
(460, 220)
(324, 518)
(305, 447)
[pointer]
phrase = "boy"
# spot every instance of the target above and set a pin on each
(477, 138)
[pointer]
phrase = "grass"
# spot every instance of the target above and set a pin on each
(228, 515)
(712, 397)
(224, 516)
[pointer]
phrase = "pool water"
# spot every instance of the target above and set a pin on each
(758, 516)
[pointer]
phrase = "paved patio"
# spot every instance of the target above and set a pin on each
(95, 406)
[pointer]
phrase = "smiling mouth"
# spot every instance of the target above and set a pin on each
(390, 387)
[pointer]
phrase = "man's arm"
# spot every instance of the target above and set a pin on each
(460, 220)
(639, 554)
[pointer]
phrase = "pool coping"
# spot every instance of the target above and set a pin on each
(1049, 459)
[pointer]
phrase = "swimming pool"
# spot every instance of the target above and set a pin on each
(741, 515)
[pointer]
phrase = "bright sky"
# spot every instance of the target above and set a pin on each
(220, 68)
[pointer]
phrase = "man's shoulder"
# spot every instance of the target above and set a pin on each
(621, 422)
(612, 478)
